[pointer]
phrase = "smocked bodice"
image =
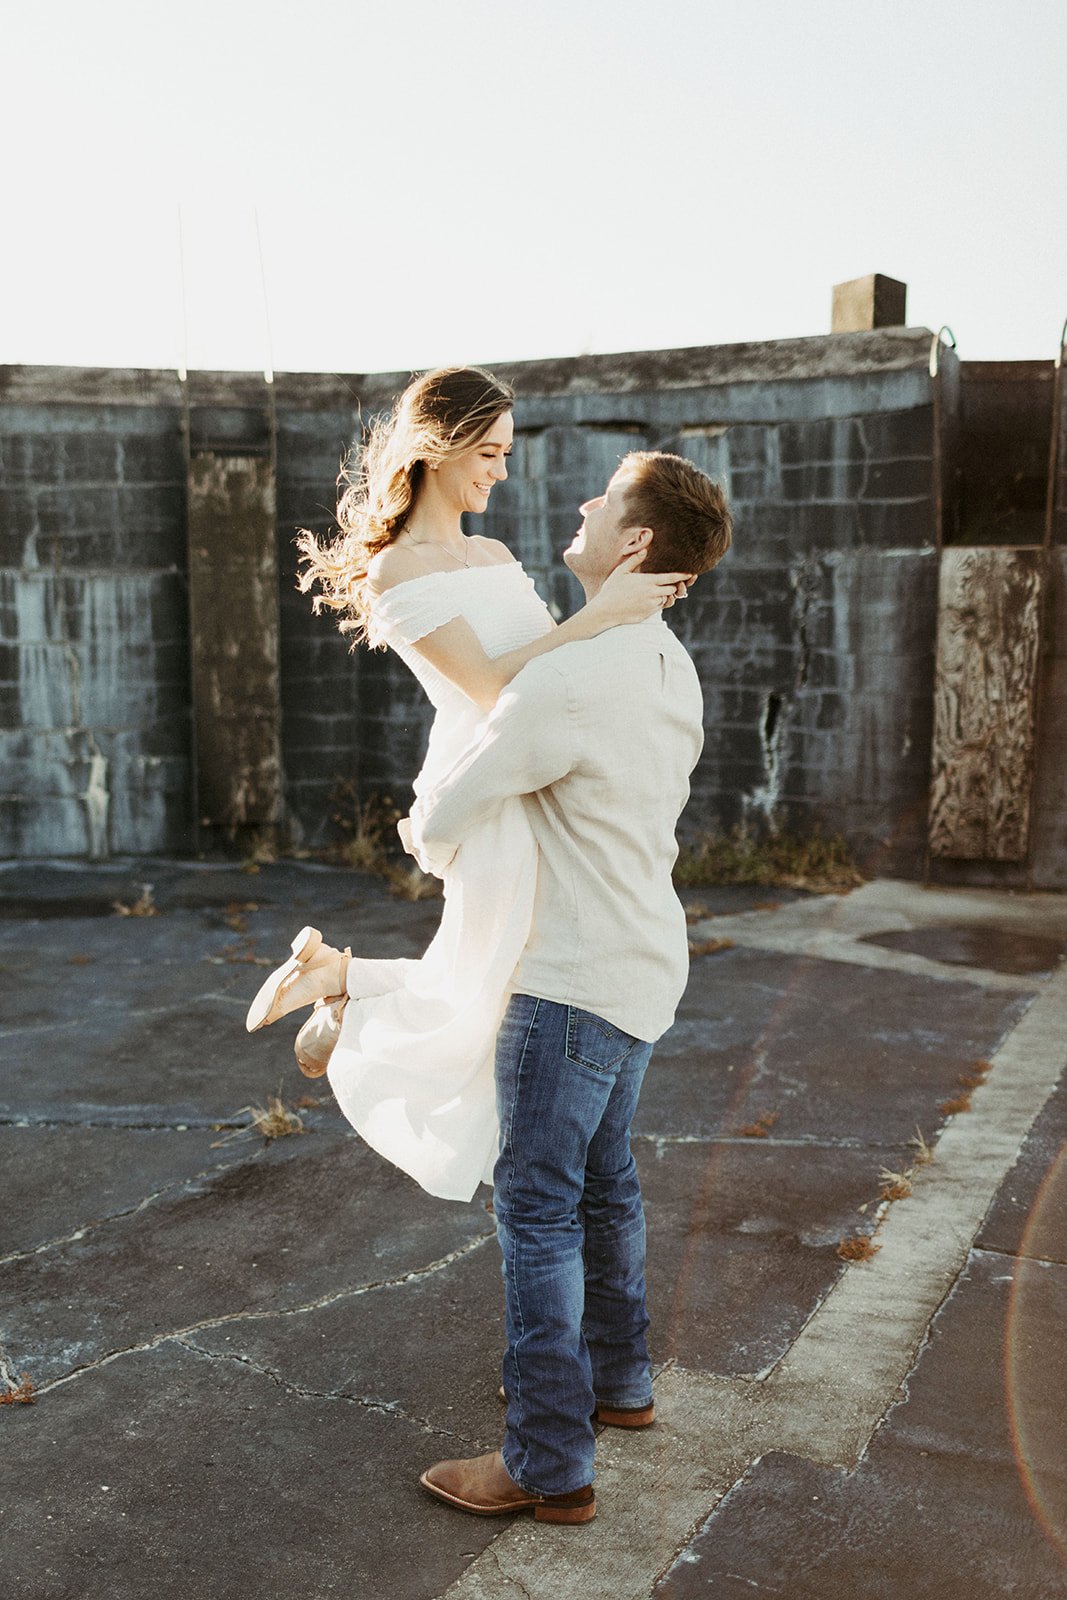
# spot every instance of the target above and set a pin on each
(499, 602)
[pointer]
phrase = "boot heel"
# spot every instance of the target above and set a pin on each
(305, 944)
(584, 1512)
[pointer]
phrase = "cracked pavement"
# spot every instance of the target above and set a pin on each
(245, 1351)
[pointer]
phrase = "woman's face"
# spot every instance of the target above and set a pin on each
(467, 480)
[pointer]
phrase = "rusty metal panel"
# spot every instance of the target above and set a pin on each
(233, 598)
(983, 749)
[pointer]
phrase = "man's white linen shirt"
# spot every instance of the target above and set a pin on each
(599, 738)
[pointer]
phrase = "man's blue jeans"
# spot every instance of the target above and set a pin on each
(572, 1234)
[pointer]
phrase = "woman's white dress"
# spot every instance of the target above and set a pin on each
(413, 1067)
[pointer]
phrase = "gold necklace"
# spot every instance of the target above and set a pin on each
(445, 548)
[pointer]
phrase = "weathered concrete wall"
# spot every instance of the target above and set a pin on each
(815, 637)
(320, 677)
(814, 640)
(94, 648)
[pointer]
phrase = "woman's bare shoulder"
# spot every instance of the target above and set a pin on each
(494, 548)
(397, 563)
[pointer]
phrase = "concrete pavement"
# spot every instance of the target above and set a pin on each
(245, 1351)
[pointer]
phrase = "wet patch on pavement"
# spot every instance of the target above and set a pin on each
(993, 949)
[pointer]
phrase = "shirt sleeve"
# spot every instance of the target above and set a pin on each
(527, 742)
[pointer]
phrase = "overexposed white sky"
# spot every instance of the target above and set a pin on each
(441, 180)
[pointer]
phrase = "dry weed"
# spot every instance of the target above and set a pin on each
(959, 1102)
(761, 1128)
(978, 1073)
(708, 947)
(924, 1152)
(21, 1394)
(242, 954)
(143, 906)
(370, 827)
(895, 1185)
(272, 1121)
(262, 848)
(798, 861)
(81, 961)
(857, 1247)
(236, 915)
(411, 883)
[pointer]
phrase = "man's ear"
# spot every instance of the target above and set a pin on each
(636, 539)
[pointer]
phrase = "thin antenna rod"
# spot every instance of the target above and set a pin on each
(268, 370)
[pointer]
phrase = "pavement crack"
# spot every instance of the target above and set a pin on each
(187, 1124)
(1014, 1255)
(128, 1211)
(7, 1373)
(388, 1408)
(510, 1577)
(262, 1314)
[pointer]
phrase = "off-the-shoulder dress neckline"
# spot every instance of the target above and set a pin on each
(457, 572)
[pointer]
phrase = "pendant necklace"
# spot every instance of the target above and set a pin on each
(466, 547)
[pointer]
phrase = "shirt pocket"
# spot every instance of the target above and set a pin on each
(593, 1042)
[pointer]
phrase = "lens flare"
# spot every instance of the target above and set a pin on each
(1035, 1369)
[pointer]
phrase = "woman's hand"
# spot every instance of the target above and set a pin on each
(632, 596)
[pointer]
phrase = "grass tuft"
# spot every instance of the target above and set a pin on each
(857, 1247)
(895, 1185)
(371, 843)
(20, 1394)
(236, 915)
(709, 947)
(759, 1129)
(272, 1121)
(261, 846)
(959, 1102)
(797, 861)
(924, 1152)
(411, 883)
(143, 906)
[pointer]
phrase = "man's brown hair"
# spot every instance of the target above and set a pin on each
(691, 523)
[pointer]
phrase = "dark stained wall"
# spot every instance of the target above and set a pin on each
(814, 639)
(94, 633)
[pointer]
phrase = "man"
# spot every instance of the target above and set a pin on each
(600, 738)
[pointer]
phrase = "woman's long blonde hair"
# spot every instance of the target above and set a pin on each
(438, 416)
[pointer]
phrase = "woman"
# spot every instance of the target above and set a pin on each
(412, 1066)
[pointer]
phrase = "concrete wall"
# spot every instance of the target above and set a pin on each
(814, 639)
(94, 639)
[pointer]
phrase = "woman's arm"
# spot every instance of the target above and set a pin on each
(627, 596)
